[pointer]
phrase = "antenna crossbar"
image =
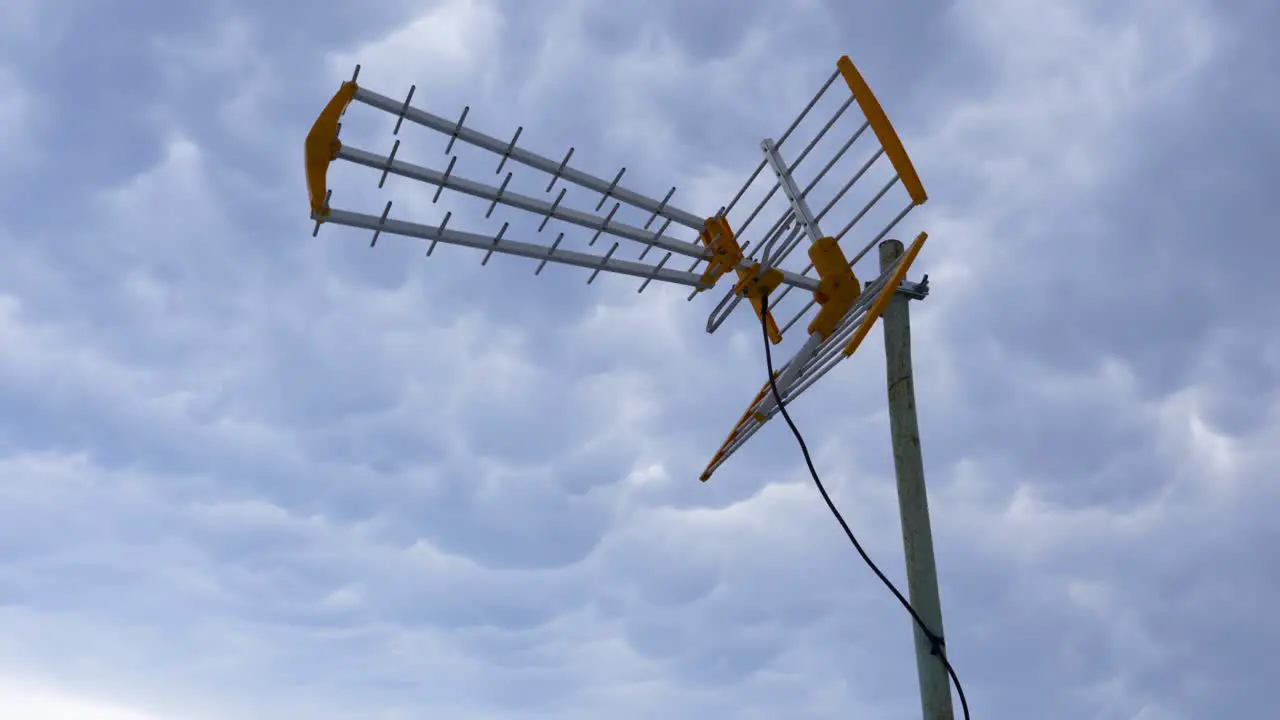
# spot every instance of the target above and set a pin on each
(507, 149)
(533, 251)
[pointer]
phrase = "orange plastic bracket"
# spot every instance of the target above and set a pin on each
(886, 294)
(884, 131)
(725, 251)
(838, 287)
(754, 285)
(322, 146)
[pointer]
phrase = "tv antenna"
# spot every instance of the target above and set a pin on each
(859, 185)
(717, 243)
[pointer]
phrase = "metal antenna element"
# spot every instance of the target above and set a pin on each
(838, 178)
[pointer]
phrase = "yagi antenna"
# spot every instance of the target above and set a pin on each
(855, 187)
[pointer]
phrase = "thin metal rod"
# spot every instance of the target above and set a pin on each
(608, 192)
(649, 279)
(453, 133)
(821, 134)
(723, 310)
(742, 190)
(844, 231)
(559, 169)
(604, 262)
(661, 205)
(849, 185)
(400, 116)
(497, 239)
(835, 158)
(439, 231)
(604, 226)
(552, 210)
(515, 139)
(786, 217)
(550, 251)
(651, 243)
(390, 159)
(760, 207)
(780, 226)
(880, 235)
(444, 180)
(789, 246)
(378, 230)
(796, 123)
(497, 197)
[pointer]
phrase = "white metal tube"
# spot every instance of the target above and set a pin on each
(525, 157)
(511, 247)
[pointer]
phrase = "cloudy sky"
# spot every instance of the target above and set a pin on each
(248, 473)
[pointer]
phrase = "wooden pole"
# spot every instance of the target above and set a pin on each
(913, 502)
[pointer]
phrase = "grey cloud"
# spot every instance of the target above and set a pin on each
(450, 515)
